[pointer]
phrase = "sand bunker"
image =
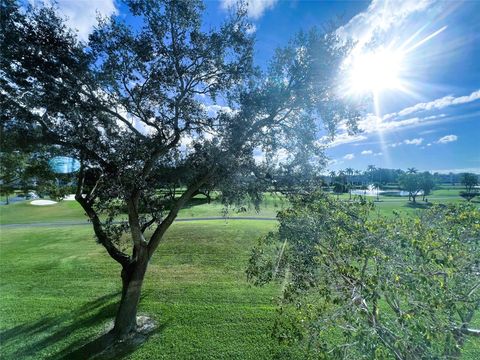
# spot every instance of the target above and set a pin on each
(70, 197)
(42, 202)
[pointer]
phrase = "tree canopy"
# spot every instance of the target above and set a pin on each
(158, 112)
(412, 183)
(470, 182)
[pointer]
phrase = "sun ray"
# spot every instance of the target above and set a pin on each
(424, 40)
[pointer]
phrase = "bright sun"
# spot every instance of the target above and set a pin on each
(388, 67)
(375, 71)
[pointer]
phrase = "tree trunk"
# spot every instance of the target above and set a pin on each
(132, 280)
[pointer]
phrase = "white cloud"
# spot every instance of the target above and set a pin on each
(394, 145)
(447, 138)
(367, 152)
(349, 156)
(213, 110)
(416, 141)
(186, 141)
(434, 117)
(255, 8)
(81, 15)
(378, 154)
(251, 29)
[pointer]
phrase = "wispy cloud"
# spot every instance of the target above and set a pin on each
(349, 157)
(81, 15)
(436, 104)
(379, 18)
(342, 138)
(255, 8)
(372, 123)
(447, 139)
(431, 131)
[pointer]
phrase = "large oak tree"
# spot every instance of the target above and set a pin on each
(161, 110)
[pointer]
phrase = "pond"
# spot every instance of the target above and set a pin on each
(373, 191)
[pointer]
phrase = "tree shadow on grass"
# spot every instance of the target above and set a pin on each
(104, 347)
(418, 205)
(31, 338)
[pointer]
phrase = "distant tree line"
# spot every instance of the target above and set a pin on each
(384, 176)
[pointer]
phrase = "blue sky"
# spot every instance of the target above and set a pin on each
(428, 119)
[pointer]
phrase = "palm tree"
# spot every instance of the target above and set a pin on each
(358, 177)
(411, 170)
(371, 169)
(332, 175)
(349, 172)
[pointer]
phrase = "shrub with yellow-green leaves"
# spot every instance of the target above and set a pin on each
(357, 285)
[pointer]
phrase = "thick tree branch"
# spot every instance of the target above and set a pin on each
(134, 220)
(102, 237)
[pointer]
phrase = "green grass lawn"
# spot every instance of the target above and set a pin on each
(24, 213)
(400, 204)
(59, 290)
